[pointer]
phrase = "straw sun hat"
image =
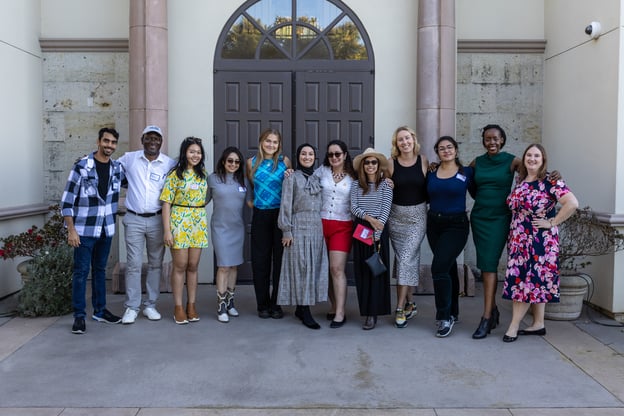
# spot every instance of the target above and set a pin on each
(383, 162)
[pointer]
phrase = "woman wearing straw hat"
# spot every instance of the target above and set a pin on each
(371, 199)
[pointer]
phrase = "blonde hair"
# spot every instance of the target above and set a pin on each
(395, 152)
(260, 155)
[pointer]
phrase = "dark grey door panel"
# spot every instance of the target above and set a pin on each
(335, 105)
(246, 103)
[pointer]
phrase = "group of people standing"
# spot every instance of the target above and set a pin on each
(303, 226)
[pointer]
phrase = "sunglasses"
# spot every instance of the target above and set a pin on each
(195, 140)
(334, 154)
(233, 161)
(373, 162)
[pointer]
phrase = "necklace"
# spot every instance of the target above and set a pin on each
(338, 176)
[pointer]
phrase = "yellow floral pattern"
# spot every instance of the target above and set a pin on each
(189, 225)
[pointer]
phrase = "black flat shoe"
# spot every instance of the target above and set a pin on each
(507, 338)
(541, 331)
(330, 316)
(336, 324)
(484, 329)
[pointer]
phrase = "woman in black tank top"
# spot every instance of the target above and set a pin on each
(408, 216)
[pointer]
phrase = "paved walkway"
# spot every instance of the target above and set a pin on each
(278, 367)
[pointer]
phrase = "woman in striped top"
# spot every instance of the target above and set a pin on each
(371, 199)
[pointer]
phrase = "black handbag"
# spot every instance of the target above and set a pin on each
(374, 262)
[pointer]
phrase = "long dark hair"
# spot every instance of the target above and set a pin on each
(182, 164)
(348, 163)
(455, 145)
(363, 180)
(239, 175)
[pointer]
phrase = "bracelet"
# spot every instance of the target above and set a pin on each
(551, 222)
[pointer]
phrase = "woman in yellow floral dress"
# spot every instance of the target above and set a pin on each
(185, 224)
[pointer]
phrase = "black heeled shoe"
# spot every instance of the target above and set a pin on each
(507, 338)
(307, 319)
(370, 323)
(494, 318)
(299, 313)
(485, 327)
(330, 316)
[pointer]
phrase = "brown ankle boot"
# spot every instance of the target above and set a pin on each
(179, 316)
(191, 312)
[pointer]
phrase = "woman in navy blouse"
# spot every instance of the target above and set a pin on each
(447, 229)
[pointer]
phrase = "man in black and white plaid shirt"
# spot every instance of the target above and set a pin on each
(89, 206)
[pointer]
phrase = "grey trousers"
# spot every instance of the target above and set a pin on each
(143, 233)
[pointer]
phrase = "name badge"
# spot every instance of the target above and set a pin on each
(242, 189)
(194, 186)
(154, 177)
(461, 177)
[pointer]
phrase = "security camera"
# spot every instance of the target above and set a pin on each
(594, 29)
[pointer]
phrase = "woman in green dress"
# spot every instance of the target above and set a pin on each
(490, 216)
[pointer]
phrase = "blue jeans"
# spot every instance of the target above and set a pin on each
(447, 236)
(90, 255)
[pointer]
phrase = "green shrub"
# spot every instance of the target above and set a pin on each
(48, 292)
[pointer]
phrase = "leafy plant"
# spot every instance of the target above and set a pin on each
(48, 291)
(584, 235)
(31, 241)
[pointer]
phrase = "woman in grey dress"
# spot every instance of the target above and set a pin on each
(305, 264)
(227, 187)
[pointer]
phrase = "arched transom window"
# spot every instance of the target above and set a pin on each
(295, 30)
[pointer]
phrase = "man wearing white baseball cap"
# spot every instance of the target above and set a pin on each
(146, 171)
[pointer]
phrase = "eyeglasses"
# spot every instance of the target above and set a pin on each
(443, 148)
(334, 154)
(234, 161)
(196, 140)
(373, 162)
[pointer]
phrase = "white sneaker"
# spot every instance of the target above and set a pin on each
(223, 317)
(129, 316)
(151, 313)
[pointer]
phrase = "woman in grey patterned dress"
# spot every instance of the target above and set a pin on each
(227, 187)
(408, 217)
(305, 264)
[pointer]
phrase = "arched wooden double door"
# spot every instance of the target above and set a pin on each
(304, 67)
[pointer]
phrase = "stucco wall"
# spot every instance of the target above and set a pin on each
(500, 19)
(20, 116)
(80, 19)
(583, 119)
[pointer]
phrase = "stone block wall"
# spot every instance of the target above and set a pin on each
(82, 92)
(498, 88)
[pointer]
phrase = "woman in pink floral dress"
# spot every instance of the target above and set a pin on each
(533, 245)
